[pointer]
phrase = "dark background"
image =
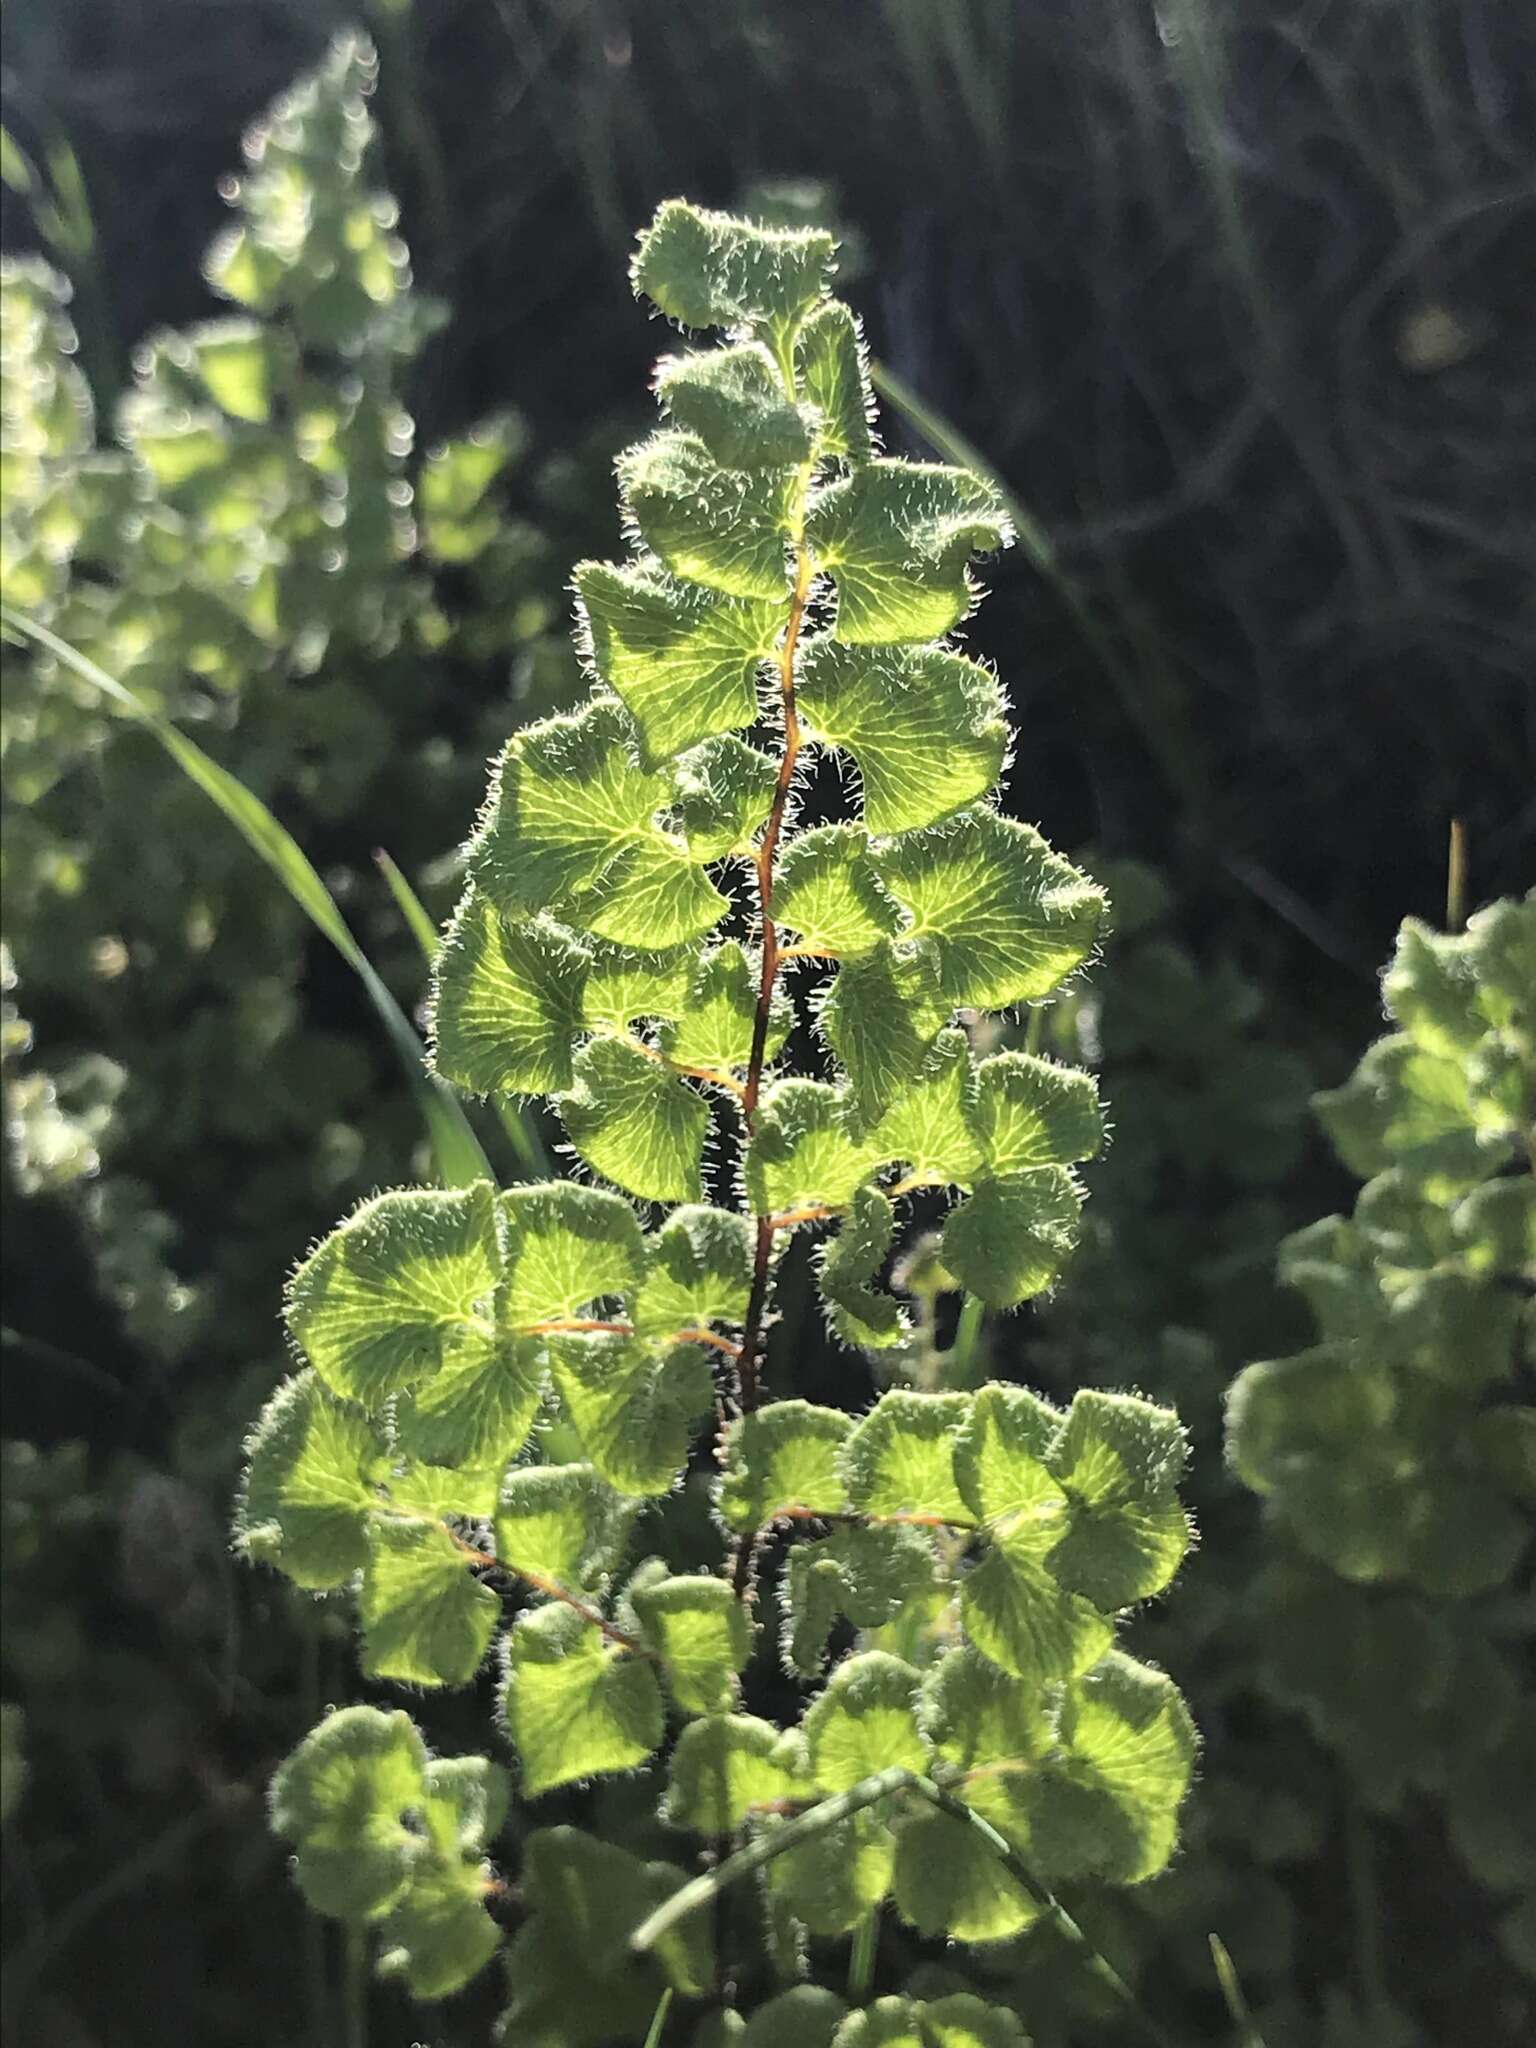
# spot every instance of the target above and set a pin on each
(1239, 302)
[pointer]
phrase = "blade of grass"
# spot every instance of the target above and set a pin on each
(1152, 711)
(964, 1352)
(1232, 1994)
(459, 1157)
(522, 1132)
(1150, 694)
(659, 2019)
(861, 1959)
(409, 905)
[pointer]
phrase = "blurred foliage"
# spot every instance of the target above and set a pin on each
(1397, 1454)
(1233, 302)
(259, 554)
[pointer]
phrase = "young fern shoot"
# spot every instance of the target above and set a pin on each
(657, 918)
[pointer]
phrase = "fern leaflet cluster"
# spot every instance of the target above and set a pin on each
(663, 929)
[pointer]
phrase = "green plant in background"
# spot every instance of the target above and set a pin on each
(501, 1389)
(1397, 1455)
(261, 558)
(1170, 1289)
(258, 557)
(1173, 1277)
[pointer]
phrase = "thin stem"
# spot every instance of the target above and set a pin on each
(762, 1261)
(763, 1849)
(552, 1590)
(354, 1986)
(827, 1813)
(843, 1516)
(788, 1219)
(712, 1075)
(316, 1977)
(861, 1962)
(721, 1344)
(715, 1076)
(589, 1325)
(751, 1541)
(1456, 878)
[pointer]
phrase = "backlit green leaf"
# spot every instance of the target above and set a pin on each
(960, 2021)
(1030, 1112)
(1431, 988)
(568, 1249)
(834, 375)
(733, 400)
(881, 1016)
(234, 361)
(865, 1721)
(1407, 1108)
(900, 1458)
(827, 891)
(872, 1574)
(311, 1479)
(725, 528)
(806, 2016)
(833, 1882)
(781, 1456)
(700, 1271)
(1017, 1615)
(506, 1002)
(980, 1720)
(699, 1629)
(1002, 1449)
(1010, 1240)
(623, 986)
(803, 1153)
(1119, 1460)
(931, 1127)
(724, 793)
(709, 270)
(636, 1123)
(574, 1981)
(458, 520)
(862, 1314)
(559, 1522)
(715, 1029)
(630, 1404)
(576, 1705)
(948, 1881)
(684, 660)
(440, 1935)
(341, 1799)
(426, 1619)
(724, 1766)
(570, 826)
(1008, 919)
(925, 726)
(479, 1409)
(896, 537)
(401, 1289)
(436, 1492)
(1108, 1804)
